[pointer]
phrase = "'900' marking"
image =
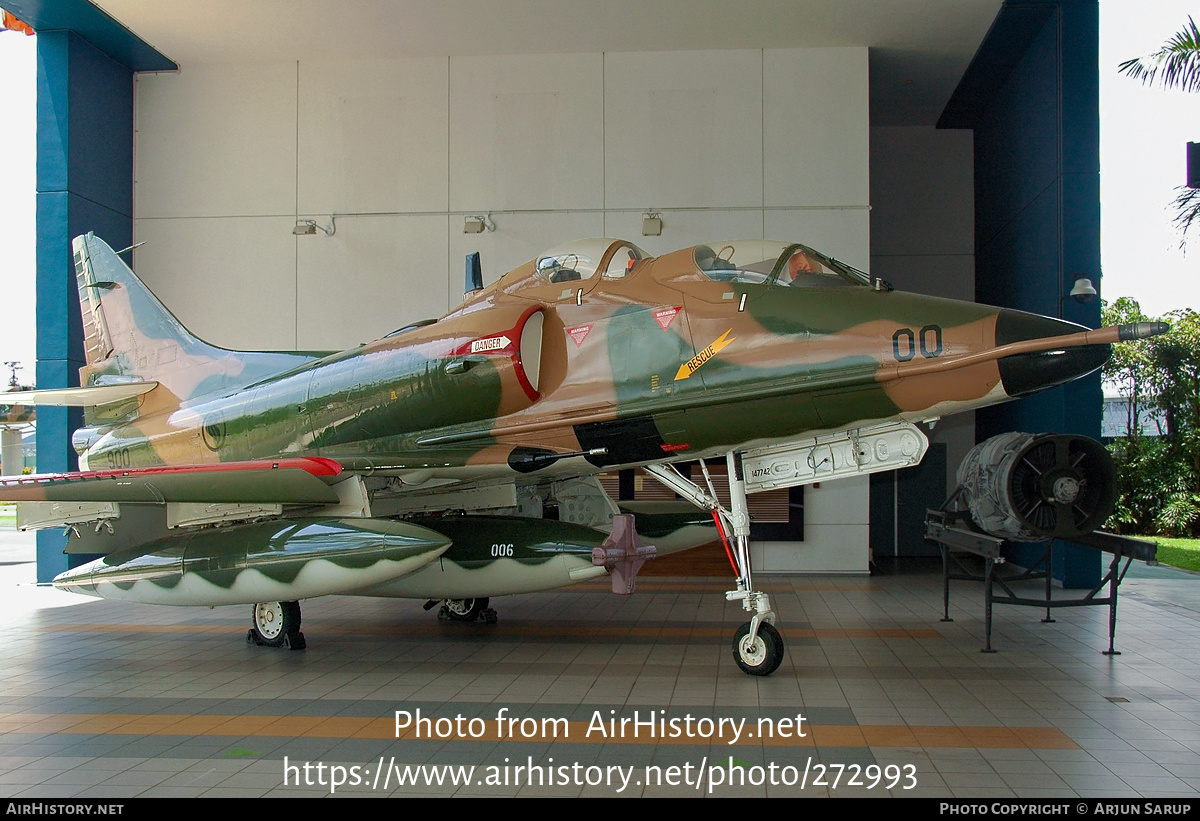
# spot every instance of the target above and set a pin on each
(119, 458)
(905, 343)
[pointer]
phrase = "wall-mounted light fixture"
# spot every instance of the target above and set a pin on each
(306, 228)
(477, 225)
(1083, 291)
(652, 224)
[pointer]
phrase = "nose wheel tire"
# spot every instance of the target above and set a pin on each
(276, 624)
(759, 657)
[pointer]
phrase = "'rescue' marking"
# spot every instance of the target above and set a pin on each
(692, 365)
(492, 343)
(579, 334)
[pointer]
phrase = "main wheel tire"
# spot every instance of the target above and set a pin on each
(762, 656)
(464, 609)
(274, 622)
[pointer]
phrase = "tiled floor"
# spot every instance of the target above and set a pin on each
(103, 699)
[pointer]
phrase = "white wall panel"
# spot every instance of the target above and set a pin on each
(844, 233)
(518, 238)
(836, 532)
(815, 126)
(684, 228)
(836, 502)
(372, 136)
(837, 549)
(216, 141)
(526, 132)
(230, 281)
(683, 128)
(376, 274)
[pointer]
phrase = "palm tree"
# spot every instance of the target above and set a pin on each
(1179, 60)
(1175, 65)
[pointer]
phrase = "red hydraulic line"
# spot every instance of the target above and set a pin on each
(724, 541)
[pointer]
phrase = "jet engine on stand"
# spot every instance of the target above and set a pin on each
(1032, 487)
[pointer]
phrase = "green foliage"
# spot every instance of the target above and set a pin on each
(1175, 65)
(1128, 367)
(1178, 61)
(1158, 477)
(1157, 489)
(1187, 211)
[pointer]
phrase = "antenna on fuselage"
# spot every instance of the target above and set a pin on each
(474, 274)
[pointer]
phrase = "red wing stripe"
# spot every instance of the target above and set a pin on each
(314, 465)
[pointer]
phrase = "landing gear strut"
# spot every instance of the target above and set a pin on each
(757, 645)
(276, 624)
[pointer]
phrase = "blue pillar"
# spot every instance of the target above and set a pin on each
(1032, 96)
(84, 183)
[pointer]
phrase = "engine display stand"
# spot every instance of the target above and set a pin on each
(951, 531)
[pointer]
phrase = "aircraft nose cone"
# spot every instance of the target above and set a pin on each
(1027, 373)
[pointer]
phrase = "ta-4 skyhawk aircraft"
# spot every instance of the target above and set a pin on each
(457, 459)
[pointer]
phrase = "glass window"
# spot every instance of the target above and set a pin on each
(580, 260)
(762, 262)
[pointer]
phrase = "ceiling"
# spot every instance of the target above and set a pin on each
(919, 48)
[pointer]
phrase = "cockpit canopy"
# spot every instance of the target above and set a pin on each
(581, 259)
(757, 262)
(766, 262)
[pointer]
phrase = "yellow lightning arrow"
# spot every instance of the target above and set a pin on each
(692, 365)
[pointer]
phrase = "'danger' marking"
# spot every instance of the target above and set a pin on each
(492, 343)
(692, 365)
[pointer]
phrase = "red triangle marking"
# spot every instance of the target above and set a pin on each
(665, 316)
(579, 334)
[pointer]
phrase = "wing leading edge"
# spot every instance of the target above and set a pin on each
(300, 481)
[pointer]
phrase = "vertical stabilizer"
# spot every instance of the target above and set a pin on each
(130, 336)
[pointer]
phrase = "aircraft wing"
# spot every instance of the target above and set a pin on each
(87, 397)
(280, 481)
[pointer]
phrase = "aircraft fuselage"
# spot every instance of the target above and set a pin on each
(661, 361)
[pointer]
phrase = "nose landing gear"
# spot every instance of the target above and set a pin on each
(757, 645)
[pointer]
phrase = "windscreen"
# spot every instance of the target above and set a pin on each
(762, 262)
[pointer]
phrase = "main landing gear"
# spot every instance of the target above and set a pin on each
(463, 610)
(276, 624)
(757, 645)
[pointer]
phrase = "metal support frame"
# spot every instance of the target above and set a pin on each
(951, 540)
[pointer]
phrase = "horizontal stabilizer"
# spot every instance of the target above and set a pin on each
(89, 397)
(281, 481)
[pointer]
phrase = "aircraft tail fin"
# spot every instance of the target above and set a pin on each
(129, 336)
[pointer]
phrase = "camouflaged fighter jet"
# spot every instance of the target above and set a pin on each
(457, 459)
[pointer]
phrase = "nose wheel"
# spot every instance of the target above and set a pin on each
(760, 654)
